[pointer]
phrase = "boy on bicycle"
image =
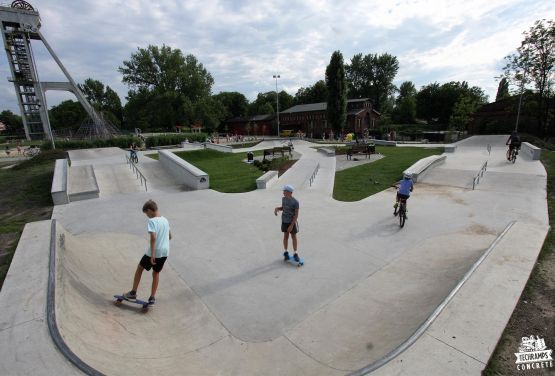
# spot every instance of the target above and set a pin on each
(514, 143)
(404, 188)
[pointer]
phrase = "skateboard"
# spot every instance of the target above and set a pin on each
(120, 298)
(291, 260)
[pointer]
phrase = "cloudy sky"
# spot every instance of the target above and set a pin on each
(243, 43)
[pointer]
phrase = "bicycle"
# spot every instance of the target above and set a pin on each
(133, 157)
(401, 212)
(513, 154)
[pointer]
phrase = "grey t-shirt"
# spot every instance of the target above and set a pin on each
(289, 205)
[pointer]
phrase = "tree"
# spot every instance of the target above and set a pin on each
(265, 103)
(535, 61)
(13, 122)
(165, 87)
(371, 76)
(463, 110)
(336, 112)
(68, 114)
(405, 104)
(234, 104)
(104, 100)
(313, 94)
(502, 89)
(436, 102)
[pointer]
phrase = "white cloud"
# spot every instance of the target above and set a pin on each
(244, 42)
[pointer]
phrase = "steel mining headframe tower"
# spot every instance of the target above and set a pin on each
(20, 23)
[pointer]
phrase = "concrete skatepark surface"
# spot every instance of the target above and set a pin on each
(227, 304)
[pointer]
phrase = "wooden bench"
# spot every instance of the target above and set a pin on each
(362, 149)
(280, 150)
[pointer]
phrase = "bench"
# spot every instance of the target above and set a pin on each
(267, 179)
(280, 150)
(362, 149)
(183, 172)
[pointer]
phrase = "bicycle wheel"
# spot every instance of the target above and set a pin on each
(402, 215)
(513, 156)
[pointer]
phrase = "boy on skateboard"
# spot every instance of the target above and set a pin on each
(158, 250)
(290, 208)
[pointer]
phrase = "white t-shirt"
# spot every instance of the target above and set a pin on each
(161, 227)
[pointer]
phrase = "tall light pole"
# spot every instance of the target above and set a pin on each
(276, 76)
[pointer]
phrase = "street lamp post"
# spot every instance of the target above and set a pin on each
(276, 76)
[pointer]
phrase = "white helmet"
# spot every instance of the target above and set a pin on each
(407, 176)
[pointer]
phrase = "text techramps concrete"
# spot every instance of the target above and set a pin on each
(228, 305)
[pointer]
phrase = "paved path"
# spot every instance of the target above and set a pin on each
(227, 304)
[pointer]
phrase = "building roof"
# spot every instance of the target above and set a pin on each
(321, 106)
(245, 119)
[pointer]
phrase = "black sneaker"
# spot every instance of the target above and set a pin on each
(285, 256)
(152, 300)
(296, 257)
(131, 295)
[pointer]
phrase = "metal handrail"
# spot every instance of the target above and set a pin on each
(479, 175)
(314, 174)
(138, 173)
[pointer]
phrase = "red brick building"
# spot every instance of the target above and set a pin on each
(311, 118)
(257, 125)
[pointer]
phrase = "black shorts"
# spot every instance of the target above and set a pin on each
(145, 263)
(285, 226)
(402, 197)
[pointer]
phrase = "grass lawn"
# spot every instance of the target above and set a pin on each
(25, 198)
(535, 310)
(228, 173)
(360, 182)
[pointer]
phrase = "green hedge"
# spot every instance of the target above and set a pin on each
(120, 142)
(174, 139)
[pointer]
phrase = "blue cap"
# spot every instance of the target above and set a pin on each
(288, 188)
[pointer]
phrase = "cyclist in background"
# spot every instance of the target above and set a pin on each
(513, 142)
(404, 188)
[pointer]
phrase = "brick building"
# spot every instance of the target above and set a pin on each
(311, 118)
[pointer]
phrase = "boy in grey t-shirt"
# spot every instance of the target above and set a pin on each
(289, 225)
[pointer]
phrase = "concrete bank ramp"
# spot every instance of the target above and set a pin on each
(182, 335)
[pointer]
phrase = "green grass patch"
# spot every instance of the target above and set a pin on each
(152, 156)
(228, 173)
(362, 181)
(25, 198)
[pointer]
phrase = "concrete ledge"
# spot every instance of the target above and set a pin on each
(450, 148)
(384, 143)
(82, 183)
(267, 179)
(184, 172)
(60, 183)
(327, 152)
(423, 166)
(530, 151)
(218, 147)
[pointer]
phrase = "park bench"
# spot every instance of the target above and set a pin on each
(280, 150)
(362, 149)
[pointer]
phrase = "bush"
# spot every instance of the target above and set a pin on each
(174, 139)
(120, 142)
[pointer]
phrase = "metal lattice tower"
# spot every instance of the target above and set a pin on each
(20, 23)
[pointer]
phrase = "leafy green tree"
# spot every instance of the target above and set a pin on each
(436, 102)
(534, 62)
(68, 114)
(234, 104)
(463, 110)
(405, 104)
(313, 94)
(336, 111)
(502, 89)
(371, 76)
(261, 105)
(103, 99)
(165, 87)
(13, 122)
(209, 112)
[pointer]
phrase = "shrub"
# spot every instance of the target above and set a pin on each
(174, 139)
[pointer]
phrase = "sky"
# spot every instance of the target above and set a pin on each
(243, 43)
